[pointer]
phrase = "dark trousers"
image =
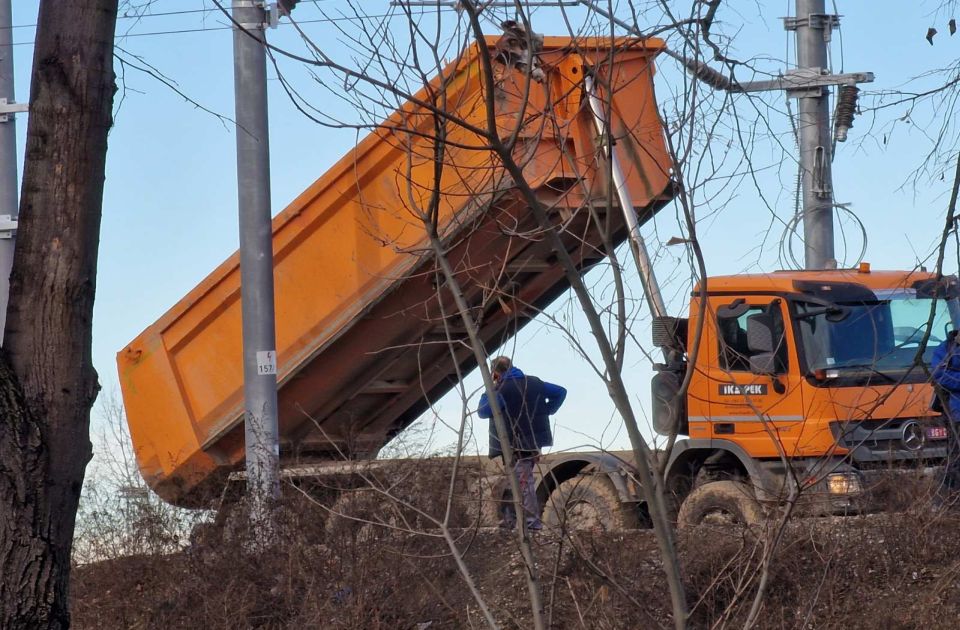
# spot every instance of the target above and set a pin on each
(523, 470)
(951, 471)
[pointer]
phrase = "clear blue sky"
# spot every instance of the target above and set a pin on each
(170, 201)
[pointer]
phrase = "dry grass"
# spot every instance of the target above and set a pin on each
(892, 571)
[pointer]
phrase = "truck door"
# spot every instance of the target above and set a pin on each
(755, 400)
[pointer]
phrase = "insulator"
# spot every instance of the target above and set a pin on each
(286, 6)
(846, 108)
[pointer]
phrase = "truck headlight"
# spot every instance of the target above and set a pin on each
(844, 483)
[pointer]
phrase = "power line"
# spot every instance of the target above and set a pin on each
(227, 28)
(134, 16)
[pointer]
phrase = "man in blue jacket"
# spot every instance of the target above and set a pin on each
(527, 404)
(946, 378)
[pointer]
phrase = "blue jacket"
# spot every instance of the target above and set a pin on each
(945, 362)
(527, 404)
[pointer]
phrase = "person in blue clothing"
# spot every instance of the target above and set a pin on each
(945, 362)
(527, 404)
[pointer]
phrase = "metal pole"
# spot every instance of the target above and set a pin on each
(9, 188)
(813, 27)
(256, 258)
(637, 245)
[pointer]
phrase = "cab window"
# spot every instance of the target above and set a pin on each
(734, 351)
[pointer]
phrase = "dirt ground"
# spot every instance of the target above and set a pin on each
(893, 571)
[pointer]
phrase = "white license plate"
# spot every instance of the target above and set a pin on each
(936, 433)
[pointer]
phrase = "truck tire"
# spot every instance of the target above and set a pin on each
(360, 515)
(489, 492)
(588, 502)
(205, 535)
(720, 503)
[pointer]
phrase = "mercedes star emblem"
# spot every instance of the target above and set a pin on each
(912, 436)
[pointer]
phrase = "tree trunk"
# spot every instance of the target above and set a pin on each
(48, 384)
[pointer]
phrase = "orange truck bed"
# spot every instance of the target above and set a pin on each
(363, 319)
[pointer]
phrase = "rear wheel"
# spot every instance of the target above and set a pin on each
(205, 535)
(360, 514)
(588, 502)
(720, 503)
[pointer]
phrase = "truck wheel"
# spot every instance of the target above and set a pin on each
(361, 515)
(490, 493)
(205, 535)
(587, 503)
(720, 503)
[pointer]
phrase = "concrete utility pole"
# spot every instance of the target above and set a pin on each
(256, 258)
(813, 28)
(9, 189)
(809, 83)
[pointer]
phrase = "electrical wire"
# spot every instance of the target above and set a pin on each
(786, 240)
(134, 16)
(786, 33)
(227, 28)
(790, 230)
(839, 34)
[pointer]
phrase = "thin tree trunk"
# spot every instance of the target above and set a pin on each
(48, 384)
(651, 486)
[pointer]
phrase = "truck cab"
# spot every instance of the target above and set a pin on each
(806, 383)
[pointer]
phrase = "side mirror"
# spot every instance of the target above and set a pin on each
(669, 409)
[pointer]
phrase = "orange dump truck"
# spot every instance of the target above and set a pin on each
(809, 381)
(362, 330)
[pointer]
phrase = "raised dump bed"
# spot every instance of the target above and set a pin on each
(363, 319)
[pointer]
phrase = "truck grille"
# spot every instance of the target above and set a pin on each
(892, 439)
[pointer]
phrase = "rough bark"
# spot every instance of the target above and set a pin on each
(47, 381)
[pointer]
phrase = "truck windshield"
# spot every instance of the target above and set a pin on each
(879, 336)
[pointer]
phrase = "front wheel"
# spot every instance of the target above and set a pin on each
(720, 503)
(588, 503)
